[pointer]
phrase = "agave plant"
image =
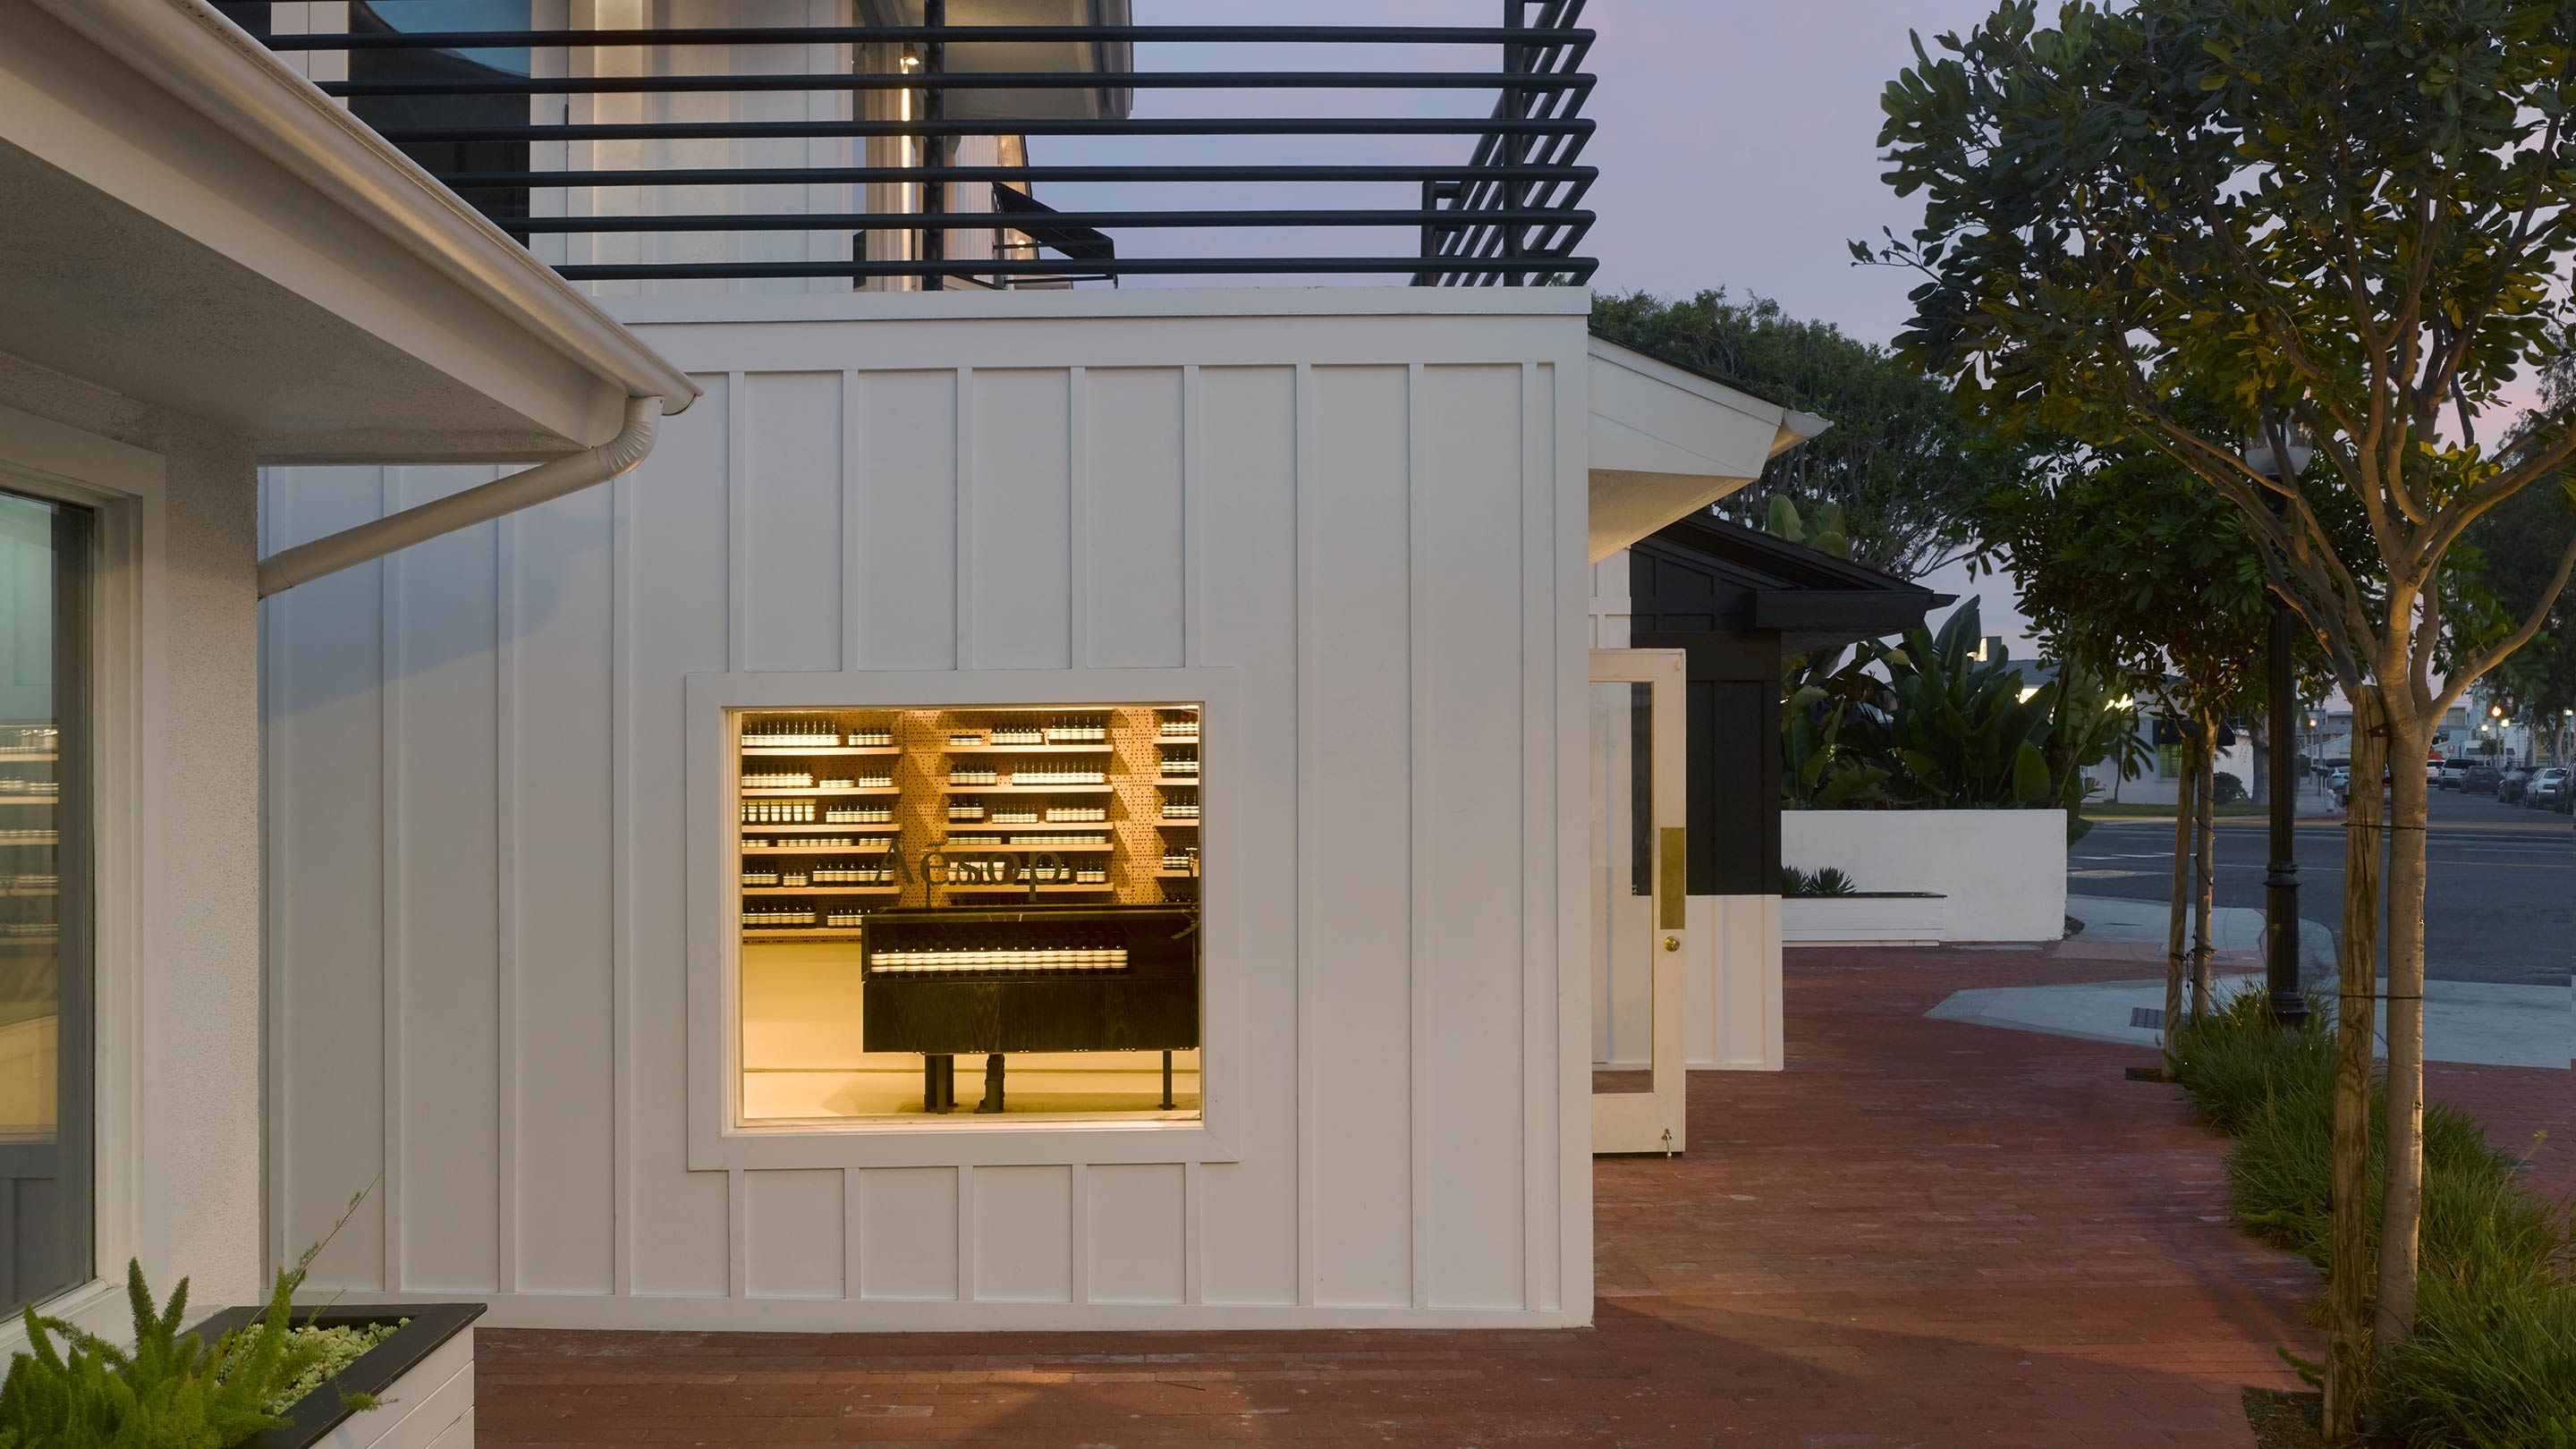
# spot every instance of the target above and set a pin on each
(1826, 882)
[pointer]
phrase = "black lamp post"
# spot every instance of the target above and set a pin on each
(2287, 1002)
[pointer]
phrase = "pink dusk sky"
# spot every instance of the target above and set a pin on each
(1737, 145)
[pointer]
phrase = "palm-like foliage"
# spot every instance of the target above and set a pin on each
(1962, 732)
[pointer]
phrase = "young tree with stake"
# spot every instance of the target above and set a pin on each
(2351, 218)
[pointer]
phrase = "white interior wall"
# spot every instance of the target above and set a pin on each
(1368, 506)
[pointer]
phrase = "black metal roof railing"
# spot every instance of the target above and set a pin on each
(1505, 212)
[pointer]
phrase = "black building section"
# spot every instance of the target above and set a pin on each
(1737, 601)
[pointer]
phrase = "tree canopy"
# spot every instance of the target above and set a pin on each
(1901, 461)
(2351, 216)
(2123, 561)
(2349, 220)
(2508, 556)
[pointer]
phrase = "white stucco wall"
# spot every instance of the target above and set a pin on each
(201, 1007)
(1367, 507)
(179, 995)
(2003, 871)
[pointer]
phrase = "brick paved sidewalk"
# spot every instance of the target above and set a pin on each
(1923, 1233)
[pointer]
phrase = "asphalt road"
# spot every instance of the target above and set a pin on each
(2499, 899)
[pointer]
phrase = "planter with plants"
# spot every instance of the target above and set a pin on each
(1935, 768)
(271, 1377)
(1826, 908)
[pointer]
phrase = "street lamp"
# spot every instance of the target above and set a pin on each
(2288, 1005)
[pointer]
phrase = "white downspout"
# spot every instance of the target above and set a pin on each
(309, 561)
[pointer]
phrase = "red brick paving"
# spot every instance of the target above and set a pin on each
(1924, 1233)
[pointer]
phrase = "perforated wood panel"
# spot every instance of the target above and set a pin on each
(942, 855)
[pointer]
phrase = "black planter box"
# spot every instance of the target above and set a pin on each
(319, 1412)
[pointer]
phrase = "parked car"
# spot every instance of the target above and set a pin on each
(2454, 772)
(2432, 772)
(2512, 785)
(2480, 779)
(2341, 785)
(2548, 788)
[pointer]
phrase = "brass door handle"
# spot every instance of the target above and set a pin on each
(1672, 943)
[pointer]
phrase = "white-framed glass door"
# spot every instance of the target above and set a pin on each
(1637, 890)
(47, 1181)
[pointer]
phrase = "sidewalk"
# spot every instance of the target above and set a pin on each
(1921, 1233)
(2466, 1022)
(2231, 928)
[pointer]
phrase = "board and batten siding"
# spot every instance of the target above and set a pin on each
(1368, 509)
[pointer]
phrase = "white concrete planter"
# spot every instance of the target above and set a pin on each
(2001, 874)
(1897, 919)
(422, 1376)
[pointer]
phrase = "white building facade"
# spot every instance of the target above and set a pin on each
(1176, 702)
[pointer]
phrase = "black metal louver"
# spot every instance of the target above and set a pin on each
(522, 146)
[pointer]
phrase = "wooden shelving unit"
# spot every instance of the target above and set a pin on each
(1131, 759)
(30, 880)
(800, 933)
(784, 752)
(1028, 749)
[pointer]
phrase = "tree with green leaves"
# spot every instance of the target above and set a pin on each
(2124, 563)
(1900, 462)
(2344, 219)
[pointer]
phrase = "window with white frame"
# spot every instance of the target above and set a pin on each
(976, 911)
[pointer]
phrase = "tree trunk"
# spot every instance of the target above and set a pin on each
(2402, 1207)
(2204, 881)
(2260, 733)
(2348, 1243)
(2175, 923)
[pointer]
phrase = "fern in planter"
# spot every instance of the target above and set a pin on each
(171, 1391)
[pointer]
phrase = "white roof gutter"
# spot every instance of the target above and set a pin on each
(549, 480)
(210, 66)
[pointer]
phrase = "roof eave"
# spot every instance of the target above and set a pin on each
(209, 65)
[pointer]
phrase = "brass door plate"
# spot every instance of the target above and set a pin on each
(1672, 879)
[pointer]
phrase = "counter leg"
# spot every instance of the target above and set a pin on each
(938, 1084)
(992, 1085)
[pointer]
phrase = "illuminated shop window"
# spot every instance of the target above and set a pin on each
(962, 913)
